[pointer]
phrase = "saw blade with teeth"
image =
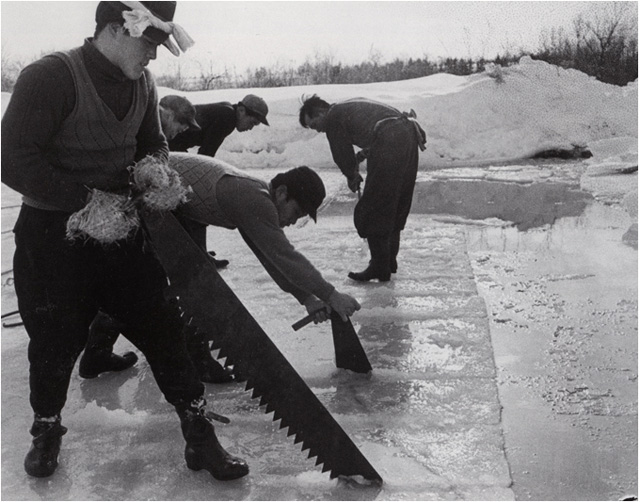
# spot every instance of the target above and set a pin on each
(211, 306)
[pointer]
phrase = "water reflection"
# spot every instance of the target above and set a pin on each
(599, 227)
(526, 205)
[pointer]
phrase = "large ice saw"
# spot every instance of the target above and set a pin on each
(211, 306)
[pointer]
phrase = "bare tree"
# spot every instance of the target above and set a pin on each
(208, 77)
(603, 43)
(603, 38)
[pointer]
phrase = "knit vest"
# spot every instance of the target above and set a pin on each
(92, 144)
(202, 174)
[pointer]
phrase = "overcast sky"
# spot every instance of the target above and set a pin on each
(237, 34)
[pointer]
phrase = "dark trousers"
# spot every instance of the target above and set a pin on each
(392, 167)
(60, 286)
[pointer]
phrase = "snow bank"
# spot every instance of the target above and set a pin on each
(502, 114)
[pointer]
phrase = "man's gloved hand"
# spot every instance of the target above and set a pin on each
(343, 304)
(317, 308)
(354, 182)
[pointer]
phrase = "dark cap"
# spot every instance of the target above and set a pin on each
(109, 12)
(182, 109)
(305, 186)
(257, 106)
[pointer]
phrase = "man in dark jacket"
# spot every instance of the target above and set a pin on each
(389, 140)
(215, 121)
(78, 121)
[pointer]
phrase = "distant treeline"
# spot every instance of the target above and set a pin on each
(603, 45)
(324, 71)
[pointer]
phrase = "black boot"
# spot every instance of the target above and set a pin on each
(98, 354)
(394, 247)
(219, 263)
(208, 369)
(203, 450)
(379, 265)
(42, 459)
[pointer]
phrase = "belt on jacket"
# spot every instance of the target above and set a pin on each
(421, 136)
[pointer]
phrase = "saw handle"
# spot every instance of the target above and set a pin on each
(305, 320)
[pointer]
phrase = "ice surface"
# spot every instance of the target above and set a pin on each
(430, 417)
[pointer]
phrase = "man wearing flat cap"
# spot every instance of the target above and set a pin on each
(76, 124)
(217, 121)
(224, 196)
(177, 115)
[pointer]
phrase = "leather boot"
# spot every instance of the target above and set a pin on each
(207, 368)
(379, 264)
(42, 459)
(98, 354)
(203, 450)
(394, 247)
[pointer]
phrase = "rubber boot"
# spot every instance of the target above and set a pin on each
(98, 354)
(379, 264)
(42, 458)
(204, 451)
(394, 247)
(207, 368)
(219, 263)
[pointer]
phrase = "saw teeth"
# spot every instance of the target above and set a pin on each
(251, 383)
(194, 293)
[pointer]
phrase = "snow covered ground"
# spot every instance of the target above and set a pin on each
(501, 115)
(504, 351)
(497, 116)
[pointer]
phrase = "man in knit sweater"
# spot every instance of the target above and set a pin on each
(227, 197)
(389, 139)
(77, 121)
